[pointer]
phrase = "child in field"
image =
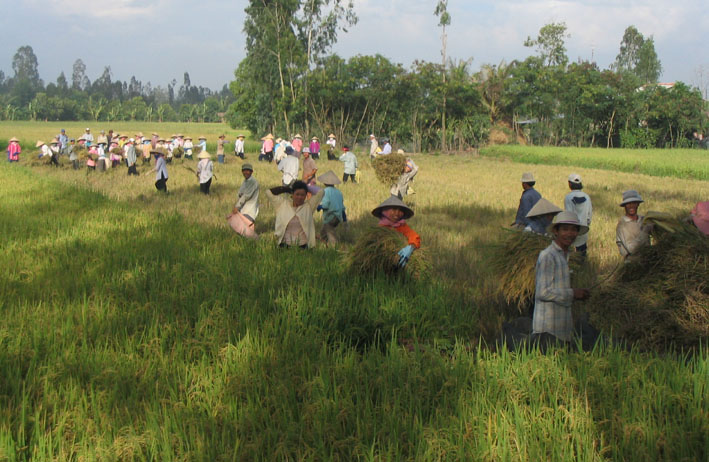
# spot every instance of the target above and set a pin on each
(13, 150)
(393, 213)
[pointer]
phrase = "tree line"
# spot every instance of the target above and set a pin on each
(24, 96)
(289, 82)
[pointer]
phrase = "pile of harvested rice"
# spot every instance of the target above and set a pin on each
(389, 168)
(660, 298)
(375, 252)
(178, 152)
(515, 264)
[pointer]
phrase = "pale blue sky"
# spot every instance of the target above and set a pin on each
(158, 40)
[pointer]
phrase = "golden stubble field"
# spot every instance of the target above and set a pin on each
(462, 202)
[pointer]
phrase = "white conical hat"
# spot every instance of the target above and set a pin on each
(543, 207)
(393, 201)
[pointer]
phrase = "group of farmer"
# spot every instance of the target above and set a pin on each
(568, 229)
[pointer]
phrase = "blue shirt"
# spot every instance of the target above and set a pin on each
(332, 204)
(526, 202)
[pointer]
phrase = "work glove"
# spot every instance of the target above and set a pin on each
(405, 254)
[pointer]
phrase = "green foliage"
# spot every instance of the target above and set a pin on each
(637, 55)
(550, 44)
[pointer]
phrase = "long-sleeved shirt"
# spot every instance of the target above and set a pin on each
(129, 150)
(220, 147)
(333, 205)
(297, 144)
(350, 161)
(373, 147)
(289, 166)
(553, 295)
(309, 169)
(239, 146)
(529, 198)
(630, 235)
(314, 147)
(386, 150)
(285, 212)
(580, 203)
(203, 144)
(205, 168)
(160, 168)
(247, 203)
(268, 145)
(401, 187)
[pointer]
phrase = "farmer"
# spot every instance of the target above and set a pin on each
(131, 157)
(387, 147)
(529, 198)
(403, 184)
(552, 320)
(289, 165)
(63, 141)
(332, 206)
(315, 147)
(146, 151)
(331, 144)
(202, 143)
(267, 148)
(102, 138)
(297, 144)
(279, 150)
(88, 137)
(54, 152)
(220, 148)
(245, 211)
(13, 150)
(295, 226)
(239, 146)
(205, 169)
(393, 213)
(541, 216)
(73, 157)
(154, 140)
(632, 232)
(188, 146)
(350, 161)
(373, 145)
(579, 203)
(160, 170)
(309, 168)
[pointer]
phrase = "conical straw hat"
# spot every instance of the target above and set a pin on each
(204, 155)
(393, 201)
(543, 207)
(39, 144)
(329, 177)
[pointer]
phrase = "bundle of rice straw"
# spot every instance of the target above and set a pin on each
(117, 151)
(81, 152)
(389, 168)
(375, 252)
(659, 299)
(36, 159)
(178, 152)
(514, 265)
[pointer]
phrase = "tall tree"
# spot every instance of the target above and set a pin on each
(78, 75)
(637, 55)
(444, 20)
(25, 65)
(550, 44)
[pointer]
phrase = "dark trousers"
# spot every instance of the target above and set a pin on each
(133, 170)
(54, 160)
(75, 164)
(239, 154)
(350, 175)
(161, 184)
(204, 187)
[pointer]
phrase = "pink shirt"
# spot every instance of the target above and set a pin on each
(297, 144)
(268, 145)
(14, 148)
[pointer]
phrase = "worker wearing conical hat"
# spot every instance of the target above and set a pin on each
(205, 171)
(297, 144)
(267, 148)
(540, 216)
(393, 213)
(315, 147)
(246, 209)
(13, 150)
(331, 144)
(332, 206)
(239, 146)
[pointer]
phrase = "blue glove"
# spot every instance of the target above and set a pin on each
(319, 208)
(405, 254)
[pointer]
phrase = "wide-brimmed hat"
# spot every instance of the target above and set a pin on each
(154, 134)
(161, 139)
(329, 177)
(247, 167)
(528, 177)
(575, 178)
(54, 141)
(315, 138)
(131, 141)
(204, 155)
(188, 138)
(88, 129)
(202, 138)
(631, 195)
(297, 135)
(400, 151)
(13, 139)
(306, 150)
(160, 151)
(241, 136)
(123, 136)
(372, 136)
(139, 135)
(39, 144)
(331, 135)
(567, 218)
(268, 137)
(543, 207)
(393, 201)
(222, 135)
(180, 135)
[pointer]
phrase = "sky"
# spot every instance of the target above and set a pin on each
(158, 40)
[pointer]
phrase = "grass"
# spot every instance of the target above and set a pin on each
(678, 163)
(139, 327)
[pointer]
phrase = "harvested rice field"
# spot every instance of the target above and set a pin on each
(138, 326)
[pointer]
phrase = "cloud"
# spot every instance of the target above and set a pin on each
(101, 9)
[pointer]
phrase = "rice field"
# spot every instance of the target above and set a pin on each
(139, 327)
(679, 163)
